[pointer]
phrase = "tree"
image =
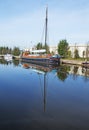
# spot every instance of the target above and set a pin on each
(63, 48)
(83, 54)
(16, 51)
(87, 51)
(5, 50)
(69, 54)
(76, 54)
(39, 46)
(1, 48)
(47, 48)
(62, 74)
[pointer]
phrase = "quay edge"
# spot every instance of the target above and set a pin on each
(71, 62)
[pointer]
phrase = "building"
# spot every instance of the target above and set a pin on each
(53, 49)
(83, 50)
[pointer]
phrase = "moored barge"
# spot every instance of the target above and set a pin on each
(42, 59)
(41, 56)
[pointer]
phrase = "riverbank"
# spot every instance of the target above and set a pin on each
(72, 62)
(75, 62)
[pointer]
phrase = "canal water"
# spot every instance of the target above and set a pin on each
(31, 99)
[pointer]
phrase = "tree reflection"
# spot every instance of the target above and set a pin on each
(62, 73)
(2, 61)
(75, 70)
(15, 62)
(85, 71)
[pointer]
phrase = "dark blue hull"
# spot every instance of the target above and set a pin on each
(49, 61)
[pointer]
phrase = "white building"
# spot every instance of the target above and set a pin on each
(82, 50)
(53, 49)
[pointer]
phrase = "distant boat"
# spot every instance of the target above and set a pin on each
(41, 56)
(8, 57)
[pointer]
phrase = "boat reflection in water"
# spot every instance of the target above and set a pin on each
(39, 67)
(62, 72)
(41, 70)
(43, 97)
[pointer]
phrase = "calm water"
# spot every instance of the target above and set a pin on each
(31, 100)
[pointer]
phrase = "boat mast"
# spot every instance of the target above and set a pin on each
(46, 22)
(45, 92)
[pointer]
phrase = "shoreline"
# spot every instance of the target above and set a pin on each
(75, 62)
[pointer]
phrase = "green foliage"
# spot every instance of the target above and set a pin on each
(40, 46)
(2, 61)
(5, 50)
(46, 48)
(16, 51)
(69, 54)
(63, 48)
(83, 54)
(63, 72)
(52, 53)
(76, 54)
(15, 62)
(75, 70)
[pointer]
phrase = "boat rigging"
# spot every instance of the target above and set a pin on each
(39, 56)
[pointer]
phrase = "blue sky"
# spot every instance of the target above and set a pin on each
(22, 22)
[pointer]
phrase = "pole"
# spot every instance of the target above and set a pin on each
(46, 22)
